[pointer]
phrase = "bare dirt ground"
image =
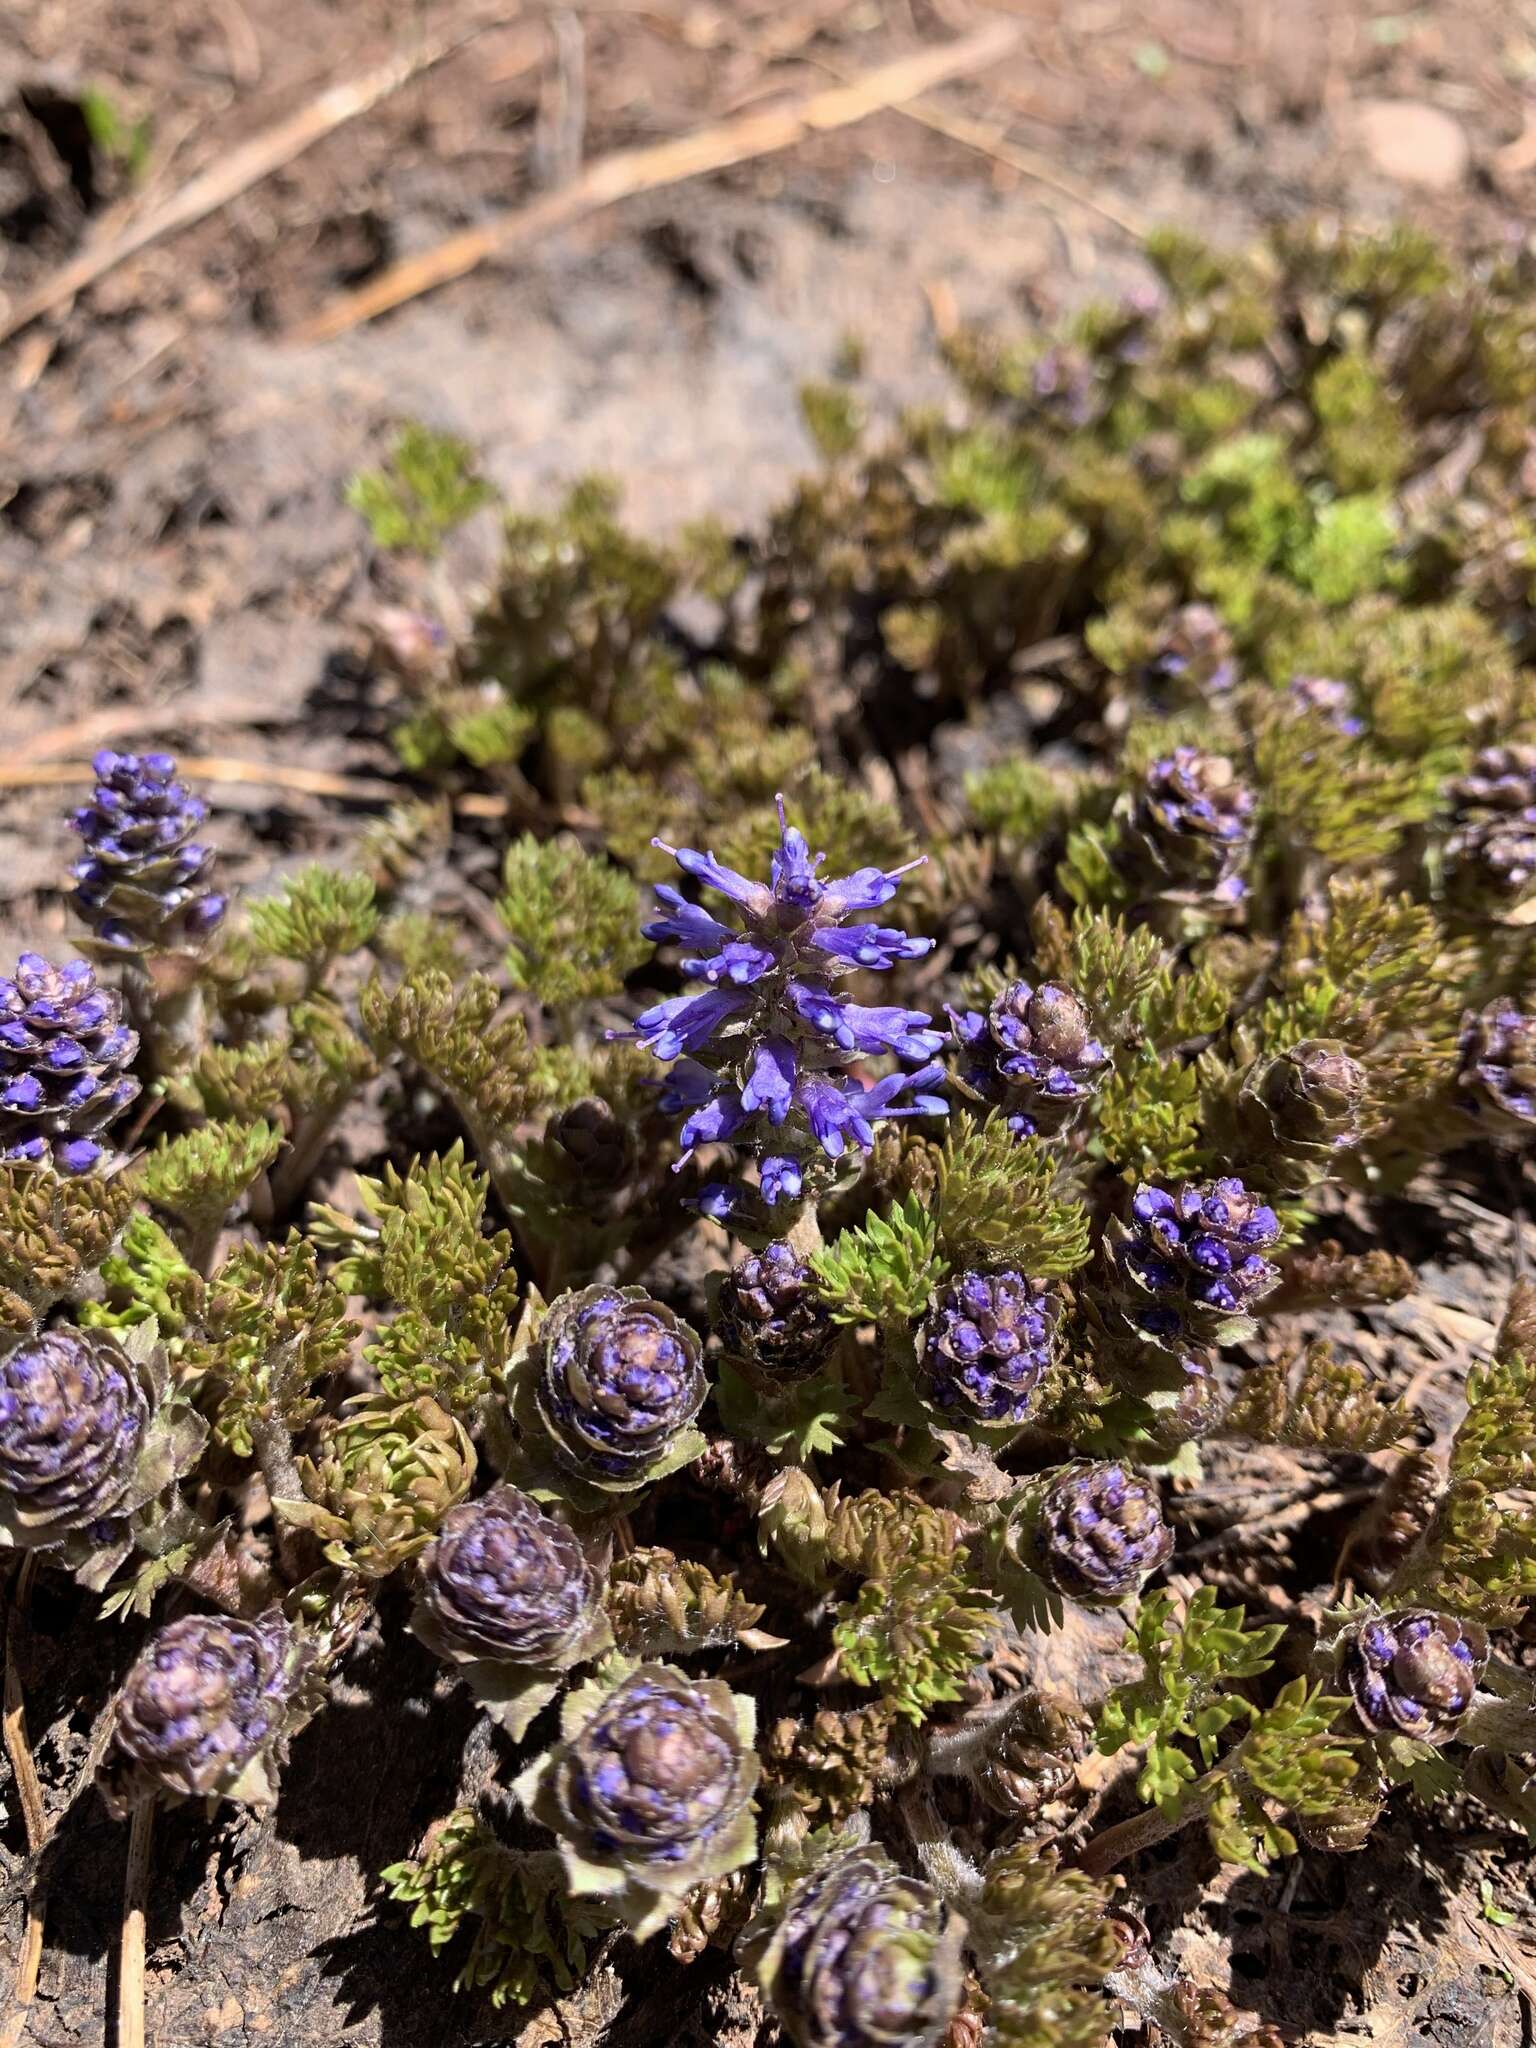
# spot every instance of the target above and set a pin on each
(175, 556)
(177, 564)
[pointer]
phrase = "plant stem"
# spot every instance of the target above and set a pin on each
(274, 1454)
(1146, 1830)
(30, 1797)
(130, 1966)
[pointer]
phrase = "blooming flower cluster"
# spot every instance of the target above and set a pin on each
(763, 1053)
(985, 1346)
(64, 1051)
(1193, 1257)
(142, 881)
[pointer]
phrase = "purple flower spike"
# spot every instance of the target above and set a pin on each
(141, 884)
(765, 1047)
(63, 1051)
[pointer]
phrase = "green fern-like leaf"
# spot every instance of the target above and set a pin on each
(573, 919)
(1000, 1201)
(884, 1270)
(425, 488)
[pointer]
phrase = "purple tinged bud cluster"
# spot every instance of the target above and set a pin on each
(655, 1769)
(142, 883)
(649, 1789)
(64, 1051)
(1190, 825)
(1033, 1055)
(617, 1380)
(1331, 699)
(1194, 654)
(1498, 1068)
(1194, 1255)
(984, 1347)
(1100, 1533)
(1414, 1672)
(502, 1582)
(771, 1316)
(207, 1701)
(762, 1051)
(861, 1956)
(74, 1415)
(1491, 849)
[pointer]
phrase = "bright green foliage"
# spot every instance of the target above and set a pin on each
(573, 919)
(1044, 1939)
(309, 1073)
(425, 488)
(1365, 442)
(883, 1270)
(1479, 1553)
(1290, 1756)
(273, 1325)
(146, 1278)
(1148, 1119)
(320, 914)
(874, 1534)
(1181, 1696)
(424, 1248)
(125, 141)
(999, 1202)
(1017, 799)
(1375, 965)
(199, 1177)
(528, 1938)
(915, 1635)
(452, 1031)
(833, 417)
(1283, 518)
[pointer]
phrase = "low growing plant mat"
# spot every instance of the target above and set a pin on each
(851, 1319)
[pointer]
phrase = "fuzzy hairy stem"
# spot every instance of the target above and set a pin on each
(171, 1021)
(308, 1139)
(273, 1446)
(1501, 1724)
(956, 1752)
(952, 1873)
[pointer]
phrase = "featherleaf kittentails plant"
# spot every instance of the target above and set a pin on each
(1001, 1252)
